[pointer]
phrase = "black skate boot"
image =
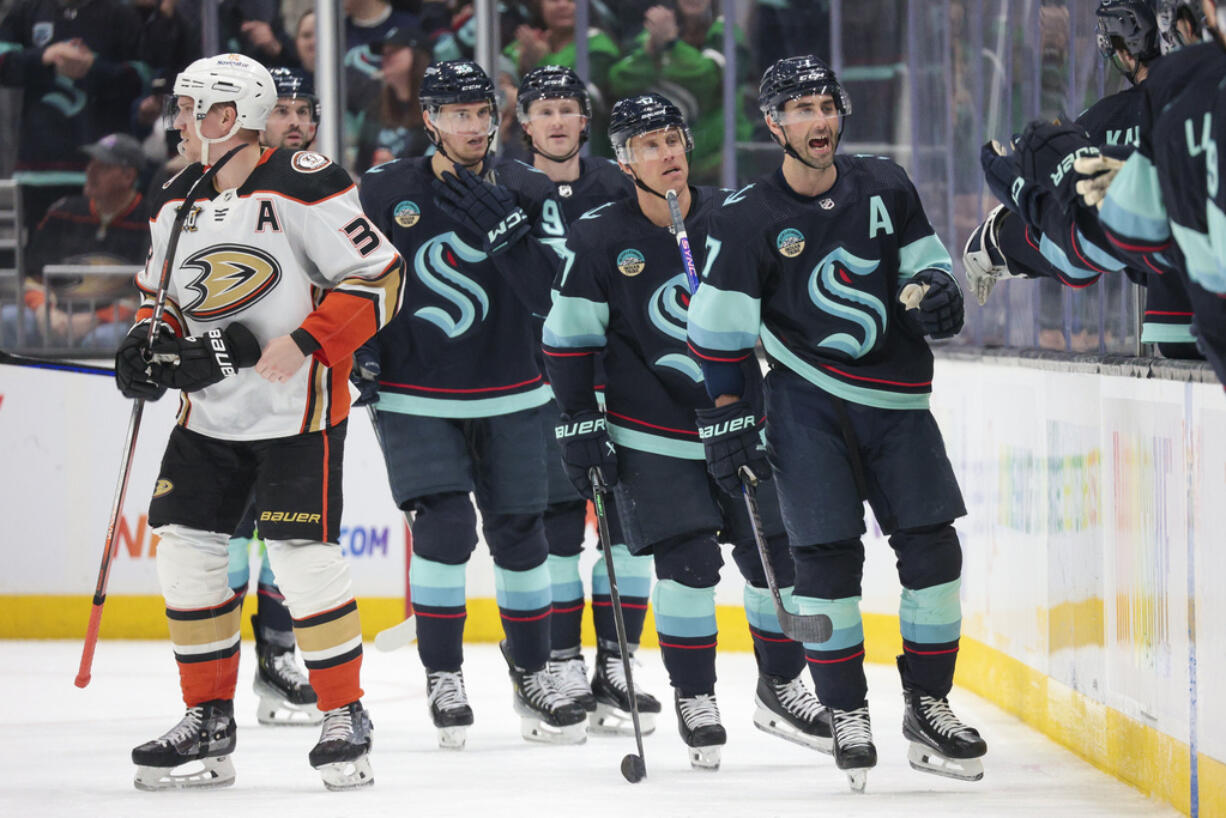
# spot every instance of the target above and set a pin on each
(286, 695)
(342, 755)
(854, 751)
(700, 728)
(787, 709)
(545, 714)
(449, 707)
(612, 697)
(940, 743)
(570, 677)
(205, 734)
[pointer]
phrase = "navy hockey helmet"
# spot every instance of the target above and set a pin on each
(645, 113)
(1132, 25)
(456, 81)
(294, 83)
(794, 77)
(552, 82)
(1170, 14)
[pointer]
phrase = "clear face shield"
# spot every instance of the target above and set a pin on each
(475, 119)
(179, 109)
(824, 103)
(544, 112)
(655, 145)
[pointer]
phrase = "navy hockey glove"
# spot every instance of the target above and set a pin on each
(133, 372)
(490, 210)
(200, 361)
(937, 310)
(1046, 152)
(1004, 179)
(586, 445)
(365, 375)
(730, 438)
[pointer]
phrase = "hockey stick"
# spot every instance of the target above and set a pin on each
(634, 767)
(12, 359)
(802, 628)
(138, 408)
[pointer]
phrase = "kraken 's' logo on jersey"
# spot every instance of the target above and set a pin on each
(435, 264)
(232, 278)
(831, 280)
(667, 309)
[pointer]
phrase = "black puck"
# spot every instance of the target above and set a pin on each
(633, 768)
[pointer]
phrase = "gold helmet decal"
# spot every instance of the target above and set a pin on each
(232, 278)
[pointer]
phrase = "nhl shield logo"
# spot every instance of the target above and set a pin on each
(407, 214)
(791, 243)
(826, 204)
(565, 191)
(630, 262)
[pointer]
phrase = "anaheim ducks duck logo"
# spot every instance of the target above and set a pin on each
(232, 278)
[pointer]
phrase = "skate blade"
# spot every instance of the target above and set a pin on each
(206, 773)
(705, 758)
(857, 779)
(452, 738)
(533, 729)
(280, 713)
(769, 722)
(347, 775)
(613, 721)
(926, 760)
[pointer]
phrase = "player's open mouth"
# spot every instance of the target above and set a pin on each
(672, 171)
(820, 143)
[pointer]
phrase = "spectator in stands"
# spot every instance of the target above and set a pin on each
(255, 28)
(169, 42)
(79, 68)
(304, 42)
(367, 23)
(107, 224)
(679, 54)
(391, 126)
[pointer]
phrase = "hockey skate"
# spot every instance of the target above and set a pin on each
(700, 728)
(449, 707)
(612, 699)
(940, 743)
(570, 677)
(787, 709)
(286, 696)
(854, 751)
(206, 735)
(546, 715)
(342, 755)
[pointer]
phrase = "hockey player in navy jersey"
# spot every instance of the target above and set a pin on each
(813, 258)
(624, 294)
(555, 112)
(460, 396)
(1006, 246)
(261, 357)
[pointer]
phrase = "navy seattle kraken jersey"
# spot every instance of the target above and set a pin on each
(464, 346)
(818, 278)
(626, 294)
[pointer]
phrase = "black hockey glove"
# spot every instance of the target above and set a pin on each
(586, 445)
(1046, 152)
(365, 375)
(1004, 179)
(939, 312)
(133, 373)
(730, 437)
(194, 363)
(490, 210)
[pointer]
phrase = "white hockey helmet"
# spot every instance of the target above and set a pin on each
(232, 78)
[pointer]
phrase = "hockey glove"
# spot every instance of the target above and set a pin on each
(938, 311)
(586, 445)
(365, 376)
(730, 438)
(488, 209)
(982, 258)
(133, 373)
(1046, 153)
(200, 361)
(1004, 179)
(1096, 173)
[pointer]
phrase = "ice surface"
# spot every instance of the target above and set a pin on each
(65, 752)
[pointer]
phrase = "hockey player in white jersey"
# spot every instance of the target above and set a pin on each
(276, 265)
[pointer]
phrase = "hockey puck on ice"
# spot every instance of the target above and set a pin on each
(633, 768)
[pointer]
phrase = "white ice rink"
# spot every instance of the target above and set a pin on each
(65, 752)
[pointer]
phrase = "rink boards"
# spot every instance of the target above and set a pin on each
(1091, 569)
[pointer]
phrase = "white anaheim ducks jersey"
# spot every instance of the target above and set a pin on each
(289, 251)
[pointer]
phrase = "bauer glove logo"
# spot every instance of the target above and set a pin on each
(583, 427)
(725, 428)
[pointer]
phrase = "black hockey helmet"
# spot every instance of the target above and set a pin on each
(1131, 24)
(1170, 13)
(294, 83)
(794, 77)
(552, 82)
(456, 81)
(645, 113)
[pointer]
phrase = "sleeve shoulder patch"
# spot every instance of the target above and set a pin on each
(309, 161)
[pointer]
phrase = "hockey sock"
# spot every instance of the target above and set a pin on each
(931, 624)
(437, 591)
(239, 557)
(685, 622)
(837, 665)
(275, 623)
(319, 593)
(566, 616)
(634, 587)
(777, 655)
(524, 601)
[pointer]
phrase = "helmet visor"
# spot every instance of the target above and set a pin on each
(804, 110)
(654, 145)
(465, 120)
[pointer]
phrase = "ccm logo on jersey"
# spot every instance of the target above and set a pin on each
(507, 224)
(288, 517)
(232, 278)
(585, 427)
(727, 427)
